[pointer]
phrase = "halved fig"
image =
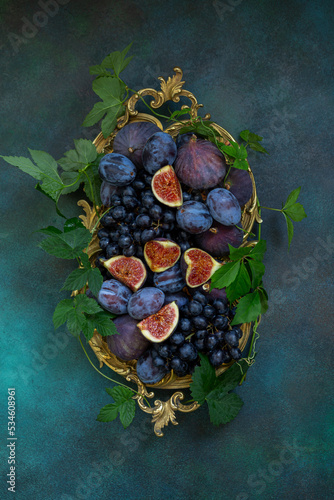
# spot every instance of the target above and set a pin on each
(161, 325)
(198, 266)
(166, 187)
(161, 254)
(128, 270)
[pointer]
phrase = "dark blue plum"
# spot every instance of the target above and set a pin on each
(131, 139)
(145, 302)
(114, 297)
(117, 169)
(183, 139)
(170, 281)
(224, 207)
(180, 298)
(160, 150)
(106, 192)
(147, 371)
(194, 217)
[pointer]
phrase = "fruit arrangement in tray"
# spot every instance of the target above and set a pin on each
(169, 286)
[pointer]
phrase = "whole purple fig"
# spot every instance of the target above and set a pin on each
(130, 343)
(199, 164)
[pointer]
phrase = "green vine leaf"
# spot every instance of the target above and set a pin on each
(124, 406)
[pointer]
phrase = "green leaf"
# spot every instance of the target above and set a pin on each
(229, 379)
(225, 275)
(109, 90)
(240, 164)
(73, 223)
(40, 189)
(225, 409)
(67, 245)
(264, 300)
(203, 380)
(248, 308)
(98, 69)
(258, 251)
(244, 134)
(95, 281)
(102, 322)
(25, 165)
(96, 114)
(257, 270)
(292, 198)
(62, 312)
(50, 230)
(238, 253)
(86, 151)
(240, 286)
(296, 212)
(255, 146)
(108, 413)
(78, 158)
(92, 184)
(109, 122)
(254, 137)
(71, 181)
(45, 162)
(229, 150)
(124, 405)
(77, 279)
(117, 60)
(289, 226)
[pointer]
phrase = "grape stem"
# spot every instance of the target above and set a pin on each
(112, 380)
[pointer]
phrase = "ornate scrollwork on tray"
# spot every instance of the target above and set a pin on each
(162, 412)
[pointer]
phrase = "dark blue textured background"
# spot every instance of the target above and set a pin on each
(263, 65)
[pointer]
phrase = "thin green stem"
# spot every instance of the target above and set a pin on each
(92, 191)
(268, 208)
(250, 356)
(244, 230)
(105, 376)
(260, 223)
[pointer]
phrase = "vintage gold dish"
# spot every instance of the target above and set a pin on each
(162, 411)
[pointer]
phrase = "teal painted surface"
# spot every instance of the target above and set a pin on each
(263, 65)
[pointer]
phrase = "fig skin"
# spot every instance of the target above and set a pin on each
(119, 267)
(131, 139)
(170, 281)
(199, 164)
(156, 327)
(215, 241)
(240, 184)
(130, 343)
(180, 298)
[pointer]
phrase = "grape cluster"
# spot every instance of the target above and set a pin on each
(135, 218)
(203, 327)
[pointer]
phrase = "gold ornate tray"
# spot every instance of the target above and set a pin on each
(162, 412)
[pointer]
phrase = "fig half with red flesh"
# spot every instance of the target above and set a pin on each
(158, 327)
(199, 266)
(166, 187)
(128, 270)
(161, 254)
